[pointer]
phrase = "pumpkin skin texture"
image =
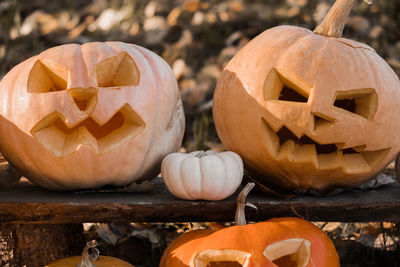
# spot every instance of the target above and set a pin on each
(307, 111)
(245, 246)
(83, 116)
(103, 261)
(202, 175)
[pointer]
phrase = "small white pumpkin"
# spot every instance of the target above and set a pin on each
(206, 175)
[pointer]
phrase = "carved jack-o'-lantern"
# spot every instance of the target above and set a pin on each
(309, 109)
(277, 242)
(281, 242)
(79, 116)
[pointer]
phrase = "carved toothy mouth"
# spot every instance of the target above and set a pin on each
(55, 135)
(284, 145)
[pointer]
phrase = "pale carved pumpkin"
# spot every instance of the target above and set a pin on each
(208, 175)
(282, 242)
(309, 109)
(79, 116)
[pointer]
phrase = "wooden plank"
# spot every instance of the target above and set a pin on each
(26, 203)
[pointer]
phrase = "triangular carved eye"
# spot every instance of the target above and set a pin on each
(120, 70)
(284, 85)
(362, 102)
(290, 252)
(47, 77)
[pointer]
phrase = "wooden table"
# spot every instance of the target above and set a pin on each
(26, 203)
(35, 221)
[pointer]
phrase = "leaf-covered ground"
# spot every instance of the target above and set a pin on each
(197, 38)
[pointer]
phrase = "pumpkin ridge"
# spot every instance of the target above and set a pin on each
(363, 53)
(149, 62)
(158, 67)
(176, 114)
(308, 35)
(229, 159)
(203, 181)
(167, 164)
(216, 176)
(181, 174)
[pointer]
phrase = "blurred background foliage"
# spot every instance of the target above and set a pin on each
(197, 39)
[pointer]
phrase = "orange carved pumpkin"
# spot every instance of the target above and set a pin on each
(309, 109)
(79, 116)
(276, 242)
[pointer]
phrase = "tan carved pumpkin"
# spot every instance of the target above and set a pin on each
(310, 109)
(276, 242)
(79, 116)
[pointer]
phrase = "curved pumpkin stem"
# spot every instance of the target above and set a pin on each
(333, 23)
(88, 257)
(240, 217)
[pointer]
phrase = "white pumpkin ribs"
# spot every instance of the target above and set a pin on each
(285, 145)
(55, 135)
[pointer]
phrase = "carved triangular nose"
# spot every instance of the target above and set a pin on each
(320, 121)
(84, 99)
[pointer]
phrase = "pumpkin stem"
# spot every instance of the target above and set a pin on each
(240, 217)
(333, 23)
(89, 255)
(201, 154)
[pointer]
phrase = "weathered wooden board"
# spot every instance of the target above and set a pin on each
(25, 203)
